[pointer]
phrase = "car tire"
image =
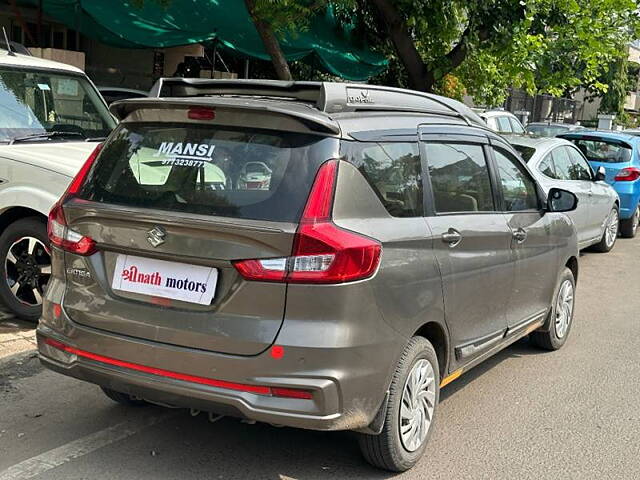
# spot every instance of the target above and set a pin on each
(390, 449)
(612, 226)
(24, 257)
(123, 398)
(629, 226)
(560, 316)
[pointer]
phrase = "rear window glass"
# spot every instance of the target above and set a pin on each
(229, 172)
(525, 152)
(605, 151)
(393, 171)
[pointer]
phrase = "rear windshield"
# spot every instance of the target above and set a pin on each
(229, 172)
(605, 151)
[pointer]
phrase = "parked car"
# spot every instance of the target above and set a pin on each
(617, 153)
(548, 129)
(502, 121)
(51, 118)
(398, 244)
(113, 94)
(558, 163)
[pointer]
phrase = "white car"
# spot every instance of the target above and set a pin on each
(501, 121)
(558, 163)
(51, 119)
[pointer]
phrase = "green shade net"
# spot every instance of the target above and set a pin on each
(183, 22)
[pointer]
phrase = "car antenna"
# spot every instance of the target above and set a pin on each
(6, 39)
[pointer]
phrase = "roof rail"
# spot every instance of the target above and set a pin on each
(328, 97)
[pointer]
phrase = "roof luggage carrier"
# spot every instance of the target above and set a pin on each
(327, 97)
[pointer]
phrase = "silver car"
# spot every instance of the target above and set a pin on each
(558, 163)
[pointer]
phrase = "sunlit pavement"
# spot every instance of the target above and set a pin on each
(525, 414)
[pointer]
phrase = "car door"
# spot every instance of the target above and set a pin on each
(599, 194)
(473, 241)
(568, 174)
(532, 250)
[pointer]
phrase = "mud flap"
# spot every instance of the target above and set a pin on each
(376, 425)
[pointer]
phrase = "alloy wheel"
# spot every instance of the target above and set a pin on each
(418, 403)
(611, 230)
(636, 218)
(28, 267)
(564, 308)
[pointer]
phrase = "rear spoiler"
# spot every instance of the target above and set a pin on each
(311, 119)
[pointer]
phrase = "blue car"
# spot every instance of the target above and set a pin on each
(619, 154)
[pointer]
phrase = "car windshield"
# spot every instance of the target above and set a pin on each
(605, 151)
(34, 102)
(525, 152)
(546, 130)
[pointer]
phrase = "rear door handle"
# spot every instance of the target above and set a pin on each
(452, 237)
(519, 235)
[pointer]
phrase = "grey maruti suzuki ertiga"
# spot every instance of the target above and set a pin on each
(317, 255)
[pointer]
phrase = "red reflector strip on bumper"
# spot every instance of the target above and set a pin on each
(241, 387)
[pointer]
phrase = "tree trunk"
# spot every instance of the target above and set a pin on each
(271, 44)
(420, 78)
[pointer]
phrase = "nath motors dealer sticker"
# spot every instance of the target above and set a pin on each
(178, 281)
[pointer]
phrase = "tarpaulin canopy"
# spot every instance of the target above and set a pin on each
(182, 22)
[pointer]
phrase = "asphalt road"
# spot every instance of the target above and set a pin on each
(525, 414)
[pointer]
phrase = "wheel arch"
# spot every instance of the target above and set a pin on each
(437, 335)
(572, 264)
(12, 214)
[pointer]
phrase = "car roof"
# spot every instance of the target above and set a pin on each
(105, 88)
(538, 143)
(27, 61)
(605, 134)
(496, 113)
(329, 107)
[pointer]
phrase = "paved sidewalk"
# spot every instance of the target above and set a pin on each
(16, 336)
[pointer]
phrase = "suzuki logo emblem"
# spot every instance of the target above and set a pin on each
(156, 235)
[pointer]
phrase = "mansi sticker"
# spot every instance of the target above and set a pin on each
(185, 154)
(178, 281)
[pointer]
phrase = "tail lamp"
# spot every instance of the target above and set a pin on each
(60, 234)
(322, 251)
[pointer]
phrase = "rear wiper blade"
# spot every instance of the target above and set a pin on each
(52, 134)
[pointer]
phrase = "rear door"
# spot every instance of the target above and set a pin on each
(472, 241)
(171, 206)
(533, 251)
(599, 193)
(569, 175)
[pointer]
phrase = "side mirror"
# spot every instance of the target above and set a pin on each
(601, 174)
(559, 200)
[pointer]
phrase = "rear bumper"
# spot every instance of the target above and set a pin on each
(330, 408)
(629, 198)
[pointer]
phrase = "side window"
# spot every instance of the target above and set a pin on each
(580, 169)
(492, 123)
(516, 125)
(393, 171)
(546, 167)
(459, 178)
(562, 162)
(504, 126)
(518, 189)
